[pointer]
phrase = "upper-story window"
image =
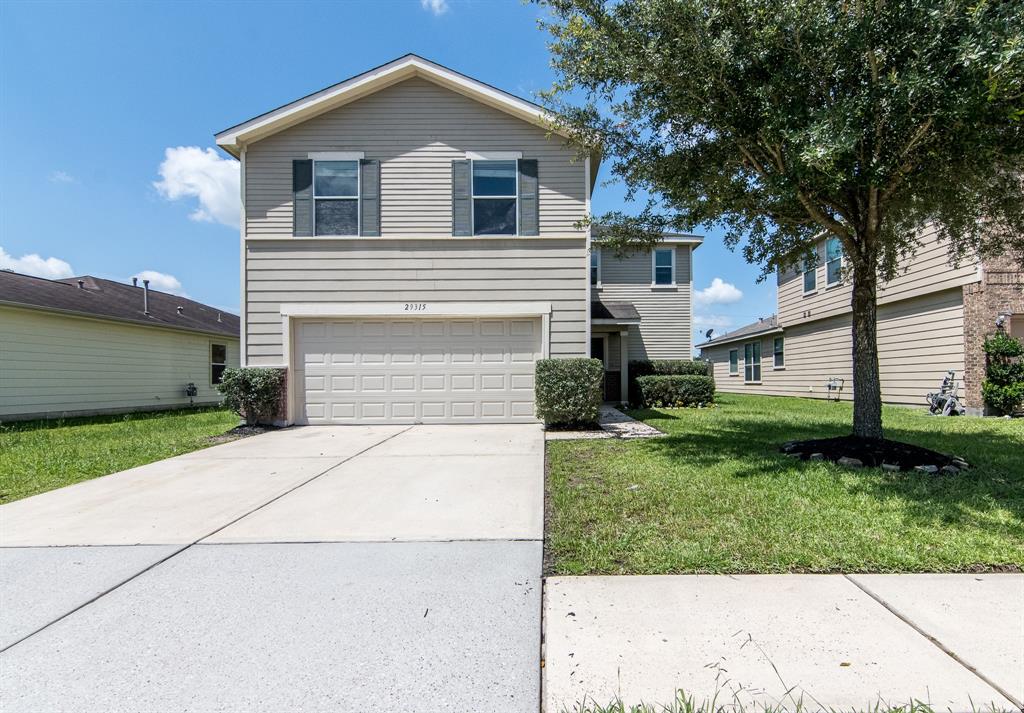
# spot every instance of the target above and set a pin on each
(663, 266)
(833, 261)
(495, 197)
(595, 266)
(810, 275)
(336, 194)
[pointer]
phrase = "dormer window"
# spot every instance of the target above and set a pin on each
(336, 195)
(495, 195)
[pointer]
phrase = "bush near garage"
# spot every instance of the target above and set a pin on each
(1003, 386)
(254, 393)
(569, 391)
(676, 390)
(662, 367)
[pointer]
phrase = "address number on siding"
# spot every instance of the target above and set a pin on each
(415, 306)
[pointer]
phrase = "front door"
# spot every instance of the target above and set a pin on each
(597, 345)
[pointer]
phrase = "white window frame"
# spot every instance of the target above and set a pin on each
(751, 363)
(737, 353)
(217, 363)
(839, 279)
(594, 265)
(335, 156)
(654, 269)
(495, 156)
(814, 271)
(776, 366)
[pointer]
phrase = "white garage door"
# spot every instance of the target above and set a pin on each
(416, 370)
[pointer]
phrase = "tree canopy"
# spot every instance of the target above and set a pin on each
(782, 120)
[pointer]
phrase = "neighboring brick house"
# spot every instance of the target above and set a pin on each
(932, 317)
(999, 292)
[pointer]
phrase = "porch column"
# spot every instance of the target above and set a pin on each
(624, 361)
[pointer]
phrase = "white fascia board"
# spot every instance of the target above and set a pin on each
(369, 82)
(615, 321)
(415, 309)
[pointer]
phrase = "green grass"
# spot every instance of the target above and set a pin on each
(687, 704)
(714, 495)
(36, 456)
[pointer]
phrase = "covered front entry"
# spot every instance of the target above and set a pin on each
(609, 342)
(416, 370)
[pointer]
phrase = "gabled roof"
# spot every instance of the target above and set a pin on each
(107, 299)
(769, 325)
(598, 231)
(233, 138)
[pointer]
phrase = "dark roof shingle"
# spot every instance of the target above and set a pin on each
(114, 300)
(768, 324)
(613, 310)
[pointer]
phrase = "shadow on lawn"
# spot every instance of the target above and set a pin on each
(748, 446)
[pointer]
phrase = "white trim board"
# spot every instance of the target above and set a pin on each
(410, 309)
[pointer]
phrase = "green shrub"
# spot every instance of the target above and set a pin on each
(1003, 387)
(253, 392)
(569, 391)
(676, 390)
(662, 367)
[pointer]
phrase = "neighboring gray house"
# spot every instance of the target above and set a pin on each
(410, 248)
(85, 346)
(932, 317)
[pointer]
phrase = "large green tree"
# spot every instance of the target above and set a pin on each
(785, 120)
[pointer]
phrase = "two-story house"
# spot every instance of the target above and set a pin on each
(932, 317)
(413, 242)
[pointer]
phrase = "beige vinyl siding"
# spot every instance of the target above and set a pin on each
(52, 364)
(434, 271)
(919, 339)
(927, 271)
(665, 330)
(416, 128)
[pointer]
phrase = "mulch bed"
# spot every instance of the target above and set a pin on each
(238, 432)
(853, 451)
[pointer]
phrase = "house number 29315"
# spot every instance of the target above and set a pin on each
(415, 306)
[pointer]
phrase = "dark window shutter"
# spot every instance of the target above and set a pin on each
(461, 221)
(529, 203)
(369, 197)
(302, 198)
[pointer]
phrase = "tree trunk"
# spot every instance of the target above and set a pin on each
(867, 388)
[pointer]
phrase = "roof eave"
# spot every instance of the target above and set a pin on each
(233, 139)
(725, 339)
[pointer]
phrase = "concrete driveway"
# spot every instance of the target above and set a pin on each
(321, 568)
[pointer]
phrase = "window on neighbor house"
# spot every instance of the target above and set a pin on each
(664, 266)
(833, 261)
(336, 197)
(218, 362)
(495, 194)
(752, 361)
(810, 276)
(595, 266)
(779, 351)
(734, 362)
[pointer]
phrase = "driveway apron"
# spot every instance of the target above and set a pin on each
(319, 568)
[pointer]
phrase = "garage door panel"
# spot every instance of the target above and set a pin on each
(353, 371)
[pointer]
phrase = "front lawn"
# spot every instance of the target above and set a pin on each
(715, 495)
(36, 456)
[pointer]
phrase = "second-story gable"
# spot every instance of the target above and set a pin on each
(414, 159)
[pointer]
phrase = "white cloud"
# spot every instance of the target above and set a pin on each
(719, 293)
(51, 268)
(192, 172)
(438, 7)
(162, 282)
(62, 177)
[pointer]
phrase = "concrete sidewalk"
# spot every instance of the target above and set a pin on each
(830, 641)
(313, 569)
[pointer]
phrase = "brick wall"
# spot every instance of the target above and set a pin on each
(1001, 291)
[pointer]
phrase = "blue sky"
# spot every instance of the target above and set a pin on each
(92, 96)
